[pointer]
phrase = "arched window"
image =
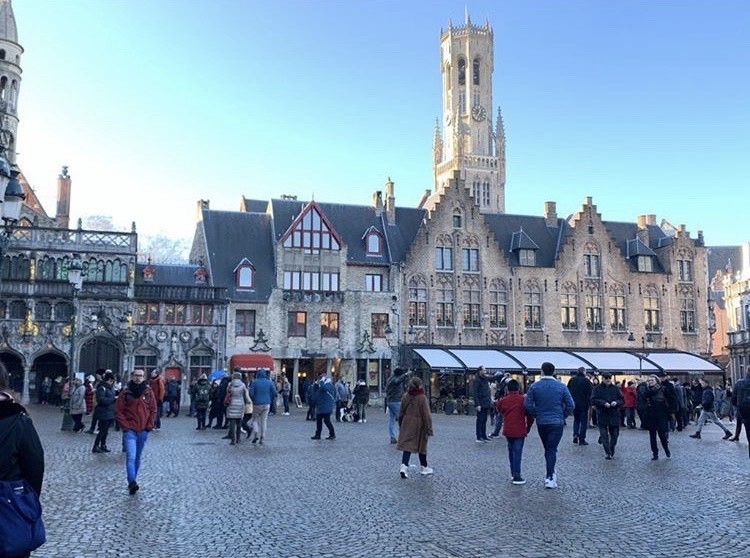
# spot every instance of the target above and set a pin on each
(569, 306)
(2, 54)
(593, 307)
(471, 302)
(444, 297)
(417, 301)
(687, 309)
(498, 303)
(591, 263)
(616, 301)
(373, 244)
(651, 317)
(475, 73)
(685, 265)
(244, 275)
(470, 254)
(532, 305)
(3, 87)
(461, 71)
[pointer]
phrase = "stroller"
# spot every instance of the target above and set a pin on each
(348, 414)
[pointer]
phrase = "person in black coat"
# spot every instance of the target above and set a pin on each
(608, 400)
(21, 452)
(580, 388)
(653, 400)
(105, 411)
(482, 403)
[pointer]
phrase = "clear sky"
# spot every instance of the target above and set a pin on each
(153, 104)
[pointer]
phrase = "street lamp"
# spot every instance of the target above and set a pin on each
(10, 206)
(75, 278)
(647, 341)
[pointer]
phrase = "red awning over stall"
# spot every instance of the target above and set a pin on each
(250, 362)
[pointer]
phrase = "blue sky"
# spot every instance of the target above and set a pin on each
(154, 104)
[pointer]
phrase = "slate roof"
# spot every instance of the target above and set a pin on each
(536, 235)
(168, 274)
(720, 256)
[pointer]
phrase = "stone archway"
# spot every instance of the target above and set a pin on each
(100, 353)
(50, 365)
(14, 365)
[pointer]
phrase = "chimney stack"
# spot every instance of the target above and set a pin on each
(390, 203)
(63, 199)
(203, 205)
(550, 213)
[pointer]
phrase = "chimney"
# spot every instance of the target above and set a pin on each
(201, 207)
(377, 203)
(550, 213)
(63, 199)
(390, 203)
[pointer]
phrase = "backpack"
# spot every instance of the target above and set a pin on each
(202, 393)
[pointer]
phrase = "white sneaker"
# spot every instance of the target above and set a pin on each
(286, 414)
(360, 421)
(426, 471)
(364, 420)
(550, 483)
(404, 471)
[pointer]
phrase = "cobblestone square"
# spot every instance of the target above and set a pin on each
(295, 497)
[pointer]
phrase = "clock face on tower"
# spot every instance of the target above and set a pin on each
(478, 113)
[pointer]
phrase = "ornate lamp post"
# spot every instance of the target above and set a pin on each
(75, 278)
(647, 341)
(10, 206)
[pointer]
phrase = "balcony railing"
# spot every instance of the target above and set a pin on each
(737, 338)
(73, 240)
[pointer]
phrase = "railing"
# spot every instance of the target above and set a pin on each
(73, 240)
(61, 289)
(174, 292)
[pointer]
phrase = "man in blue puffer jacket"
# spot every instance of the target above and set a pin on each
(324, 396)
(262, 392)
(549, 402)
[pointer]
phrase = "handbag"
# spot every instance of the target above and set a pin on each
(21, 526)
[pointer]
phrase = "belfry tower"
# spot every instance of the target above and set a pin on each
(10, 80)
(468, 141)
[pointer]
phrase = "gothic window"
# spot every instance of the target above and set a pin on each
(200, 363)
(617, 308)
(311, 233)
(591, 260)
(498, 303)
(46, 269)
(475, 191)
(457, 219)
(687, 314)
(417, 301)
(593, 305)
(444, 298)
(43, 311)
(63, 311)
(485, 194)
(145, 361)
(17, 310)
(175, 313)
(2, 54)
(651, 317)
(569, 306)
(244, 323)
(475, 72)
(461, 71)
(471, 302)
(685, 266)
(296, 325)
(329, 325)
(16, 268)
(470, 260)
(532, 307)
(444, 254)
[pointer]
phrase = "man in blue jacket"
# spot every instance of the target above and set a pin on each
(549, 402)
(262, 392)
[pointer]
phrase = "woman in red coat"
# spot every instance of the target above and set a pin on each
(516, 425)
(415, 426)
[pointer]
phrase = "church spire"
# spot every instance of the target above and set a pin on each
(10, 80)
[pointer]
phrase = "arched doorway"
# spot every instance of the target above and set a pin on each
(53, 366)
(14, 366)
(100, 352)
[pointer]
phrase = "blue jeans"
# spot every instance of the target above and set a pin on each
(580, 422)
(515, 449)
(550, 434)
(394, 407)
(134, 443)
(285, 397)
(498, 424)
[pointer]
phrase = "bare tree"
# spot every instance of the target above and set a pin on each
(162, 249)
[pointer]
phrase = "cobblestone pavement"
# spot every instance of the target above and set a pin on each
(295, 497)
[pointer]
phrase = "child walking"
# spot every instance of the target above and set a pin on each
(516, 425)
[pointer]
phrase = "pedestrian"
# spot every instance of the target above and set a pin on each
(629, 400)
(88, 385)
(286, 389)
(549, 402)
(310, 396)
(361, 398)
(105, 411)
(172, 397)
(238, 398)
(157, 387)
(394, 390)
(415, 427)
(135, 411)
(201, 397)
(46, 392)
(262, 392)
(608, 400)
(655, 418)
(580, 388)
(741, 400)
(216, 403)
(247, 416)
(220, 395)
(324, 396)
(708, 412)
(482, 403)
(501, 390)
(516, 425)
(77, 404)
(342, 397)
(21, 451)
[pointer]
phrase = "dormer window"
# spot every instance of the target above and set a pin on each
(244, 275)
(373, 243)
(527, 257)
(645, 263)
(148, 274)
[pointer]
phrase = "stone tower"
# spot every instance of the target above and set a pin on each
(469, 142)
(10, 80)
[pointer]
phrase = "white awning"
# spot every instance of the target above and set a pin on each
(532, 360)
(683, 362)
(491, 359)
(438, 358)
(617, 362)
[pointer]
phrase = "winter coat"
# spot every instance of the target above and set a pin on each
(172, 391)
(707, 400)
(157, 387)
(549, 401)
(78, 400)
(482, 397)
(516, 420)
(201, 393)
(361, 394)
(133, 412)
(415, 422)
(89, 396)
(239, 396)
(581, 388)
(105, 401)
(628, 396)
(21, 452)
(655, 414)
(342, 391)
(324, 396)
(262, 390)
(394, 387)
(741, 395)
(603, 393)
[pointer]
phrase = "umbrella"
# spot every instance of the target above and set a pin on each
(216, 375)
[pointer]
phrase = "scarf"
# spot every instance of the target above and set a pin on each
(137, 389)
(416, 391)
